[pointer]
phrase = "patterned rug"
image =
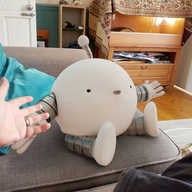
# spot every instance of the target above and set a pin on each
(180, 131)
(154, 8)
(157, 8)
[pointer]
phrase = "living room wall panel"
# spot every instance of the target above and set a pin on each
(47, 19)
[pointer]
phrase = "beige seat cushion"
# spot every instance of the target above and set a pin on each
(49, 166)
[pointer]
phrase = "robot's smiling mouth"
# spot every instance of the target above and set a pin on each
(117, 92)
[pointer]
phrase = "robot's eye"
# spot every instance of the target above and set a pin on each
(88, 90)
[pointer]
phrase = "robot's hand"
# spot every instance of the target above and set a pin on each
(22, 146)
(154, 89)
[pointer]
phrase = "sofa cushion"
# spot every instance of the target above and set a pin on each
(49, 166)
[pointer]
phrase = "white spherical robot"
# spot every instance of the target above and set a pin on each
(92, 92)
(97, 99)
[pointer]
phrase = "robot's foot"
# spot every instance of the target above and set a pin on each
(150, 119)
(105, 144)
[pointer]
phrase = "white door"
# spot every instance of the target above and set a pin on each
(18, 23)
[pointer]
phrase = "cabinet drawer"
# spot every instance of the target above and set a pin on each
(141, 72)
(133, 39)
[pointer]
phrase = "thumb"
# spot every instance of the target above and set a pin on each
(4, 88)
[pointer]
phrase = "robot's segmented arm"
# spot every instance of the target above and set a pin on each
(149, 91)
(49, 105)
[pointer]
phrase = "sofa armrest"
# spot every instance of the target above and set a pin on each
(48, 60)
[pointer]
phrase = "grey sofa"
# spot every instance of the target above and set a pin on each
(48, 166)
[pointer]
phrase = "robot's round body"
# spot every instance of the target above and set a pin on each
(91, 92)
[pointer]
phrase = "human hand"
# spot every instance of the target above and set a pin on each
(154, 89)
(13, 119)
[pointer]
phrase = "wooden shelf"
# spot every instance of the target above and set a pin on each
(75, 15)
(76, 30)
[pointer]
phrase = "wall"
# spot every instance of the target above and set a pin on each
(184, 72)
(48, 19)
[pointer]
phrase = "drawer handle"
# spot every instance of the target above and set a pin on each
(144, 67)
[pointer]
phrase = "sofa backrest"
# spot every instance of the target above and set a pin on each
(48, 60)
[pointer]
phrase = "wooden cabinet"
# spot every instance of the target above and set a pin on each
(147, 42)
(76, 16)
(129, 33)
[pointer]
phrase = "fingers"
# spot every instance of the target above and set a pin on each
(29, 132)
(4, 88)
(159, 94)
(37, 129)
(41, 128)
(22, 100)
(37, 118)
(155, 84)
(29, 110)
(158, 89)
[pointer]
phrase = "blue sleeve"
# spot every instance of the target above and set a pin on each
(3, 60)
(4, 150)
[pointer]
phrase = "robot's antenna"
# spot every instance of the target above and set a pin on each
(83, 42)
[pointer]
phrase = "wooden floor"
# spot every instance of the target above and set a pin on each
(175, 104)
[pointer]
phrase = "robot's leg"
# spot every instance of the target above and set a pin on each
(101, 148)
(81, 145)
(105, 144)
(150, 119)
(137, 125)
(144, 123)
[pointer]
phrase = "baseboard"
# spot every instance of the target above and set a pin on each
(183, 90)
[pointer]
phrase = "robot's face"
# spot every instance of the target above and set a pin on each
(91, 92)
